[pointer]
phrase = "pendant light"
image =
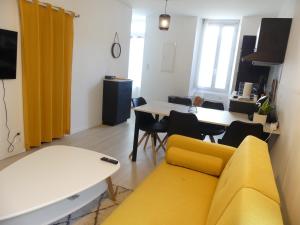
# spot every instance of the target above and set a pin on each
(164, 19)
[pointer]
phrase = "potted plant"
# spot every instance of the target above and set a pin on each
(263, 111)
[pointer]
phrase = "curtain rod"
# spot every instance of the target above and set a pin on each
(56, 8)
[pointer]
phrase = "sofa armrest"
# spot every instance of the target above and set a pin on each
(222, 151)
(204, 163)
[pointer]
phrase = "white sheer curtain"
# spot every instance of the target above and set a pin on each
(136, 53)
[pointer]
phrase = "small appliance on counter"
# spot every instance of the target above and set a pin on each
(245, 90)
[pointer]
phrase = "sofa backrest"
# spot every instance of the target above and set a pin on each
(250, 207)
(247, 174)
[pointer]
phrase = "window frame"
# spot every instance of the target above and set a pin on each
(230, 72)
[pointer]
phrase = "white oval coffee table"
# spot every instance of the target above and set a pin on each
(54, 178)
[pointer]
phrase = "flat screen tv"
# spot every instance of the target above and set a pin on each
(8, 54)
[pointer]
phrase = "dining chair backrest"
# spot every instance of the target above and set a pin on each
(212, 129)
(142, 118)
(136, 102)
(180, 100)
(238, 131)
(185, 124)
(213, 105)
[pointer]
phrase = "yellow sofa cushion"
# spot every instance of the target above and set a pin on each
(221, 151)
(171, 195)
(195, 161)
(249, 167)
(250, 207)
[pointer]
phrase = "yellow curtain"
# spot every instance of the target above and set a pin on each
(47, 49)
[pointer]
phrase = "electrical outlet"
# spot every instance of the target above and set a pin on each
(17, 138)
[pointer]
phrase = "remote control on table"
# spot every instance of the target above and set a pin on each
(105, 159)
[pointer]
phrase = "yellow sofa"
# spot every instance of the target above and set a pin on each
(205, 184)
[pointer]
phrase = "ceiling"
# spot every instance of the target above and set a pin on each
(212, 9)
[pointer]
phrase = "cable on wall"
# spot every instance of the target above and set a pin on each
(11, 146)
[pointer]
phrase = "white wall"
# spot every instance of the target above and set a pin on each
(286, 151)
(189, 32)
(94, 34)
(196, 56)
(9, 19)
(157, 85)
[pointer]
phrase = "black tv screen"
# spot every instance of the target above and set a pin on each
(8, 54)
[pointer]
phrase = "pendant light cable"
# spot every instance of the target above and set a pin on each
(166, 6)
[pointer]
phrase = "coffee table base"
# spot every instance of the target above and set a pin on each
(112, 193)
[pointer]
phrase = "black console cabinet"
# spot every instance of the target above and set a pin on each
(116, 101)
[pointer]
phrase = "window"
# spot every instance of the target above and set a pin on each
(216, 55)
(136, 52)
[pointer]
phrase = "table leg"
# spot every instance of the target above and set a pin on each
(155, 138)
(135, 141)
(112, 193)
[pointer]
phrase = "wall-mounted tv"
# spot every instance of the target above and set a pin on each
(8, 54)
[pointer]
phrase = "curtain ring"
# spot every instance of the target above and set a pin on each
(48, 5)
(35, 2)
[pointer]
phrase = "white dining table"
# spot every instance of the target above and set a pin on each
(211, 116)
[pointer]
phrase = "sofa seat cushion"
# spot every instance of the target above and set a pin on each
(171, 195)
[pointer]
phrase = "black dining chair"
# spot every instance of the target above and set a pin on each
(210, 129)
(185, 124)
(180, 100)
(213, 105)
(177, 100)
(238, 131)
(150, 126)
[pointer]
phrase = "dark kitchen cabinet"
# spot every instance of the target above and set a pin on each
(272, 41)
